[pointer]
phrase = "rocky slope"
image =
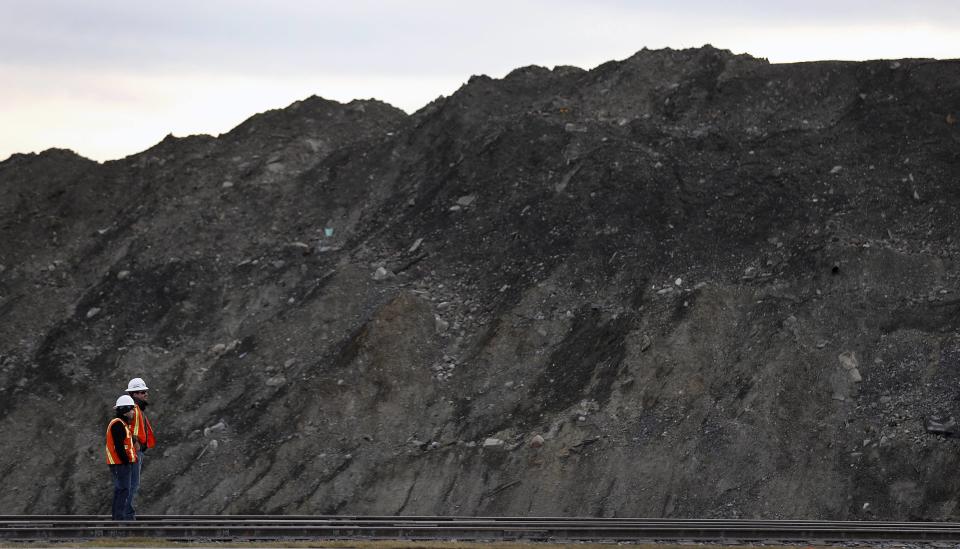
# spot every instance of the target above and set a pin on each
(688, 283)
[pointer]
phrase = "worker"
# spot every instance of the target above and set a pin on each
(143, 437)
(121, 455)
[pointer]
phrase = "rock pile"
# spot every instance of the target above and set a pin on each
(688, 283)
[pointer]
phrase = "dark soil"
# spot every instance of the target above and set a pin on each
(716, 287)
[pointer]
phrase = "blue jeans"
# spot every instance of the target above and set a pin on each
(121, 490)
(134, 485)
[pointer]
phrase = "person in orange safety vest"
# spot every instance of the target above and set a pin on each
(143, 437)
(121, 456)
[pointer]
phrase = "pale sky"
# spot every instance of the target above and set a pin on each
(109, 78)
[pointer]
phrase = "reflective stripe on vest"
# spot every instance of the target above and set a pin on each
(112, 457)
(142, 430)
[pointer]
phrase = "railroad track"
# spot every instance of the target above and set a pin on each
(273, 527)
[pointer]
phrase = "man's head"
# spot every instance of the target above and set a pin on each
(137, 389)
(124, 406)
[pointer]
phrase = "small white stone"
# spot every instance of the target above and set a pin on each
(416, 245)
(848, 360)
(216, 428)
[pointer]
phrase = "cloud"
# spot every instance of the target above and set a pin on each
(107, 115)
(112, 77)
(287, 37)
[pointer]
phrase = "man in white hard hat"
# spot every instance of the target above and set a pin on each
(121, 456)
(142, 432)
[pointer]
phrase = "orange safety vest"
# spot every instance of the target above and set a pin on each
(112, 457)
(142, 430)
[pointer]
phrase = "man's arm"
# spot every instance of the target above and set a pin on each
(138, 429)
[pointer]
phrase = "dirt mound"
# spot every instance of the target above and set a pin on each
(688, 283)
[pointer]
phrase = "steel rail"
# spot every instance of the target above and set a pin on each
(353, 519)
(261, 527)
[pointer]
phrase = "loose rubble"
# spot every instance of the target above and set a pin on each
(689, 283)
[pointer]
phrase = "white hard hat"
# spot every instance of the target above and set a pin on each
(136, 384)
(124, 400)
